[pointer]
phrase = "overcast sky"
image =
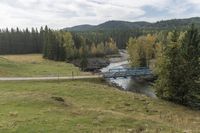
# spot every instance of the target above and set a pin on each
(65, 13)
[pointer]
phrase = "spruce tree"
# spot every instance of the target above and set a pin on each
(190, 52)
(178, 69)
(168, 70)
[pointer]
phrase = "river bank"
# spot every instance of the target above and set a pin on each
(131, 84)
(76, 106)
(95, 64)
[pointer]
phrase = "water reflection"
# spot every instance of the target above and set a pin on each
(129, 84)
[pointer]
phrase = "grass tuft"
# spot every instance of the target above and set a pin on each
(80, 106)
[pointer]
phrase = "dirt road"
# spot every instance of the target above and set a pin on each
(48, 78)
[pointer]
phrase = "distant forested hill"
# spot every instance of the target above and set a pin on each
(110, 25)
(23, 41)
(124, 25)
(120, 31)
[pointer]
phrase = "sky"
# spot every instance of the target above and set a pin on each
(66, 13)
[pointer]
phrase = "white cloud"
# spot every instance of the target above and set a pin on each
(64, 13)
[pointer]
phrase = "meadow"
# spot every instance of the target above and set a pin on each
(33, 65)
(79, 106)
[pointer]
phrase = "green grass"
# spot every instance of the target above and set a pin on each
(89, 105)
(34, 65)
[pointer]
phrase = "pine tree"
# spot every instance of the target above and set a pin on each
(46, 41)
(179, 69)
(84, 63)
(190, 51)
(168, 71)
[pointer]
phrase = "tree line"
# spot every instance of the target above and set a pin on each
(64, 46)
(15, 41)
(121, 36)
(177, 64)
(54, 45)
(142, 50)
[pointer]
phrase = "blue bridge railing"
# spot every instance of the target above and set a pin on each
(127, 72)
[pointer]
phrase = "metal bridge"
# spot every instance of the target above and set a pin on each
(128, 72)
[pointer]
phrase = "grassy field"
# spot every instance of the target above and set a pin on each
(34, 65)
(81, 106)
(88, 106)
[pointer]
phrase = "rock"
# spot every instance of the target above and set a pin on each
(14, 114)
(129, 130)
(127, 104)
(59, 99)
(94, 64)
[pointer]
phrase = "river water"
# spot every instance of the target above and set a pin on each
(128, 84)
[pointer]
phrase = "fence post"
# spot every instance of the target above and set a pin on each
(58, 78)
(72, 75)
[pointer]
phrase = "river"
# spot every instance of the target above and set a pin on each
(128, 84)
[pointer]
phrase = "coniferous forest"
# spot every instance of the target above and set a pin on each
(54, 45)
(100, 66)
(177, 63)
(17, 41)
(176, 53)
(22, 41)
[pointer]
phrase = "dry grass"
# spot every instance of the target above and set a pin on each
(88, 106)
(29, 58)
(34, 65)
(84, 105)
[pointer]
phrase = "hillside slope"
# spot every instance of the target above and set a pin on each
(124, 25)
(33, 65)
(80, 106)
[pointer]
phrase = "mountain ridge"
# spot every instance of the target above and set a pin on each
(126, 25)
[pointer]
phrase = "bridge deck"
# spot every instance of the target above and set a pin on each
(127, 72)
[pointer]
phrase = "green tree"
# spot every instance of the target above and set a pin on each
(100, 49)
(132, 49)
(111, 47)
(93, 50)
(178, 68)
(68, 45)
(168, 70)
(142, 50)
(84, 63)
(190, 52)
